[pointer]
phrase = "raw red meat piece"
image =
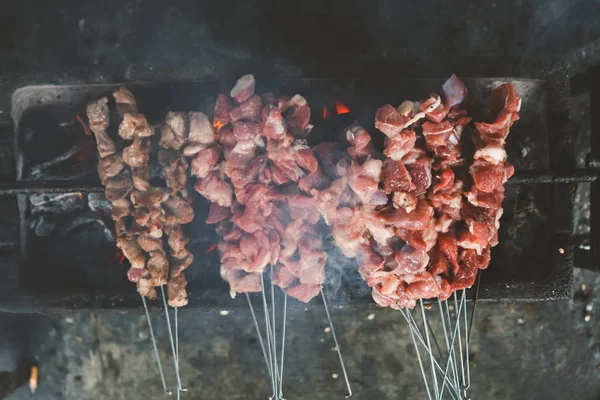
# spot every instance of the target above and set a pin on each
(491, 154)
(448, 246)
(487, 200)
(389, 121)
(248, 110)
(505, 104)
(437, 114)
(424, 287)
(410, 260)
(399, 145)
(420, 174)
(438, 263)
(282, 276)
(487, 177)
(504, 98)
(299, 118)
(315, 180)
(274, 125)
(476, 237)
(205, 161)
(215, 189)
(454, 91)
(285, 159)
(395, 177)
(445, 181)
(304, 293)
(407, 201)
(360, 141)
(243, 89)
(222, 109)
(349, 234)
(417, 219)
(201, 130)
(240, 157)
(305, 158)
(243, 130)
(238, 280)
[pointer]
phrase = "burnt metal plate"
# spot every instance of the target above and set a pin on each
(67, 257)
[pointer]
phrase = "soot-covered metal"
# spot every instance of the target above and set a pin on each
(68, 257)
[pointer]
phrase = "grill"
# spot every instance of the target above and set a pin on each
(65, 254)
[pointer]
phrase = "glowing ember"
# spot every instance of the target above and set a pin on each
(324, 112)
(86, 130)
(218, 125)
(79, 194)
(341, 108)
(211, 248)
(118, 255)
(79, 157)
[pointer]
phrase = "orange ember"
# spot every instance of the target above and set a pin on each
(341, 108)
(79, 157)
(218, 125)
(324, 112)
(211, 248)
(119, 256)
(86, 130)
(80, 194)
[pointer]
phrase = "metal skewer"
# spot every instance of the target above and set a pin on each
(269, 341)
(260, 338)
(283, 346)
(177, 343)
(175, 359)
(158, 362)
(453, 368)
(273, 325)
(337, 346)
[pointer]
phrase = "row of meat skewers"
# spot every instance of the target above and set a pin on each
(420, 216)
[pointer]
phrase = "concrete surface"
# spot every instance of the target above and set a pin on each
(519, 351)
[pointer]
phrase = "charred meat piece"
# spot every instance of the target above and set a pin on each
(137, 153)
(153, 197)
(121, 208)
(178, 265)
(176, 291)
(145, 287)
(174, 170)
(177, 211)
(125, 101)
(132, 250)
(174, 131)
(158, 266)
(119, 186)
(98, 116)
(135, 125)
(109, 166)
(150, 244)
(141, 177)
(176, 238)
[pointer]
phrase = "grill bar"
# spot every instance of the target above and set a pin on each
(57, 187)
(48, 187)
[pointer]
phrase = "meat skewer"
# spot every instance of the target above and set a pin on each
(118, 188)
(467, 222)
(143, 212)
(263, 183)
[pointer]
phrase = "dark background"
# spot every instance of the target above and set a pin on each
(522, 351)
